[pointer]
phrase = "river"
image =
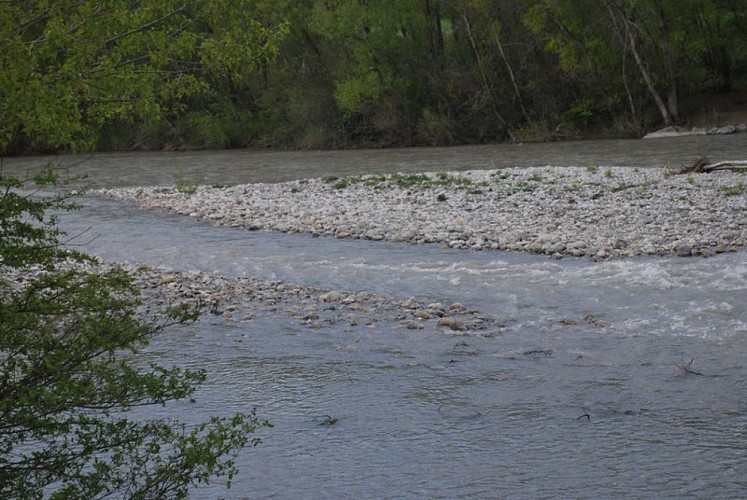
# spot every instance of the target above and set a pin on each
(583, 393)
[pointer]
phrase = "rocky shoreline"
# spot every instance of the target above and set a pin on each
(594, 212)
(676, 131)
(239, 299)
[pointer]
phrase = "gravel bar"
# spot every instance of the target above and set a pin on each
(240, 299)
(593, 212)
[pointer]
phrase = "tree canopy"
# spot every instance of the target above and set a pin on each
(70, 327)
(319, 73)
(67, 69)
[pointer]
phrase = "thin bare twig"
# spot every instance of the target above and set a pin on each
(687, 368)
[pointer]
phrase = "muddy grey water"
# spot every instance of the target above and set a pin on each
(231, 167)
(535, 409)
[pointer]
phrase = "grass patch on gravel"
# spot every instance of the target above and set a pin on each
(501, 175)
(623, 186)
(525, 187)
(403, 181)
(735, 190)
(185, 185)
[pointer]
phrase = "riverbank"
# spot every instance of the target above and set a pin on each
(240, 299)
(594, 212)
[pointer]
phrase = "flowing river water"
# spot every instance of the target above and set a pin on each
(584, 392)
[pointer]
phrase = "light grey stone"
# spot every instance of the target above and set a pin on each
(729, 129)
(661, 212)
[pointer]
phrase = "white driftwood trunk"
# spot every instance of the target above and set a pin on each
(703, 165)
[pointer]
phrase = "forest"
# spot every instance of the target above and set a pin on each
(208, 74)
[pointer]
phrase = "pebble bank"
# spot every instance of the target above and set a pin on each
(594, 212)
(240, 299)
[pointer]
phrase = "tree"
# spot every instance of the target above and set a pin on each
(69, 328)
(67, 69)
(649, 23)
(176, 74)
(588, 60)
(658, 49)
(374, 42)
(67, 380)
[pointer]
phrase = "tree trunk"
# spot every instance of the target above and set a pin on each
(663, 109)
(668, 109)
(622, 38)
(484, 77)
(511, 76)
(672, 100)
(435, 33)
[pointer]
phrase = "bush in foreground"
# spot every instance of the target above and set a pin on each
(68, 375)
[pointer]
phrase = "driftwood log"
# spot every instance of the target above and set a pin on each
(703, 165)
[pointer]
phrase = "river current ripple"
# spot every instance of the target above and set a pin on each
(620, 378)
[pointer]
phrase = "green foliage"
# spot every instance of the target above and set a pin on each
(179, 74)
(68, 333)
(536, 178)
(28, 234)
(402, 181)
(735, 190)
(622, 186)
(69, 328)
(639, 52)
(435, 128)
(500, 175)
(200, 129)
(341, 184)
(357, 93)
(70, 68)
(525, 187)
(185, 185)
(580, 113)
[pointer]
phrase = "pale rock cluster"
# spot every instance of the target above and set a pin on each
(240, 299)
(593, 212)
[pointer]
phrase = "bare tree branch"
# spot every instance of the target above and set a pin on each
(703, 165)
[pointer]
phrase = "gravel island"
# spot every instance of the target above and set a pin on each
(594, 212)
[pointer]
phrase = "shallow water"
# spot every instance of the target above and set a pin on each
(241, 166)
(579, 395)
(537, 408)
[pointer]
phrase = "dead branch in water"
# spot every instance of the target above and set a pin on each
(702, 164)
(687, 368)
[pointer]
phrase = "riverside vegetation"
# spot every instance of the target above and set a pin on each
(68, 327)
(174, 74)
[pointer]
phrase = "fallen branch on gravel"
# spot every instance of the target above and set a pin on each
(703, 165)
